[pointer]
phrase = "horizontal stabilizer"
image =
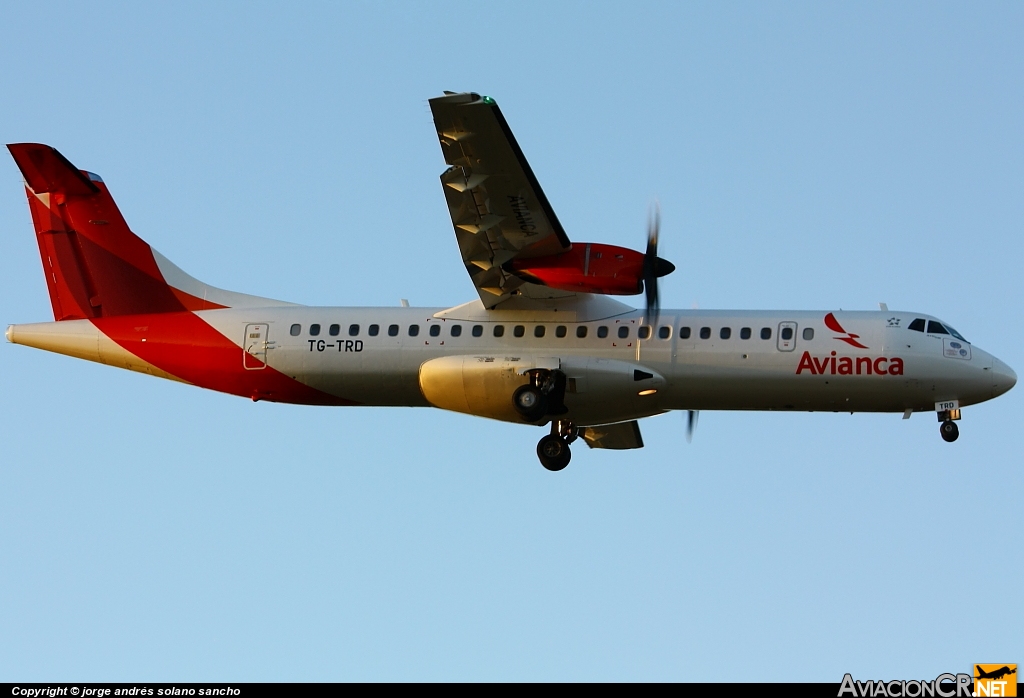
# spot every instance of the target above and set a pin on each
(47, 171)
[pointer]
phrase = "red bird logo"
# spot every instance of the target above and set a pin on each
(850, 338)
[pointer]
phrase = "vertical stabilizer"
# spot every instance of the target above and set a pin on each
(95, 266)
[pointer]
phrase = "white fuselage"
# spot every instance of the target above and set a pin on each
(691, 359)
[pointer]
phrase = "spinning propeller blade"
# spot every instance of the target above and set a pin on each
(691, 423)
(654, 266)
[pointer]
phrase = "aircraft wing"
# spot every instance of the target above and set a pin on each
(497, 207)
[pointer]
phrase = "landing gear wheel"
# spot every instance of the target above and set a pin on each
(553, 452)
(530, 402)
(949, 431)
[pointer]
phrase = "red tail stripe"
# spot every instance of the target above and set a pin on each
(185, 346)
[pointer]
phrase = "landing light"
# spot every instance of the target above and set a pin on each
(649, 391)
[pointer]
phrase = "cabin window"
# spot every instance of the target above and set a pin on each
(435, 330)
(333, 330)
(808, 333)
(499, 330)
(766, 333)
(725, 332)
(560, 331)
(373, 330)
(353, 330)
(745, 333)
(684, 333)
(456, 330)
(917, 325)
(314, 330)
(644, 332)
(414, 330)
(623, 332)
(581, 331)
(538, 331)
(392, 330)
(602, 331)
(936, 328)
(519, 330)
(664, 332)
(296, 330)
(705, 333)
(478, 330)
(787, 333)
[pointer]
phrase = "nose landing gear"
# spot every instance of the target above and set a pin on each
(948, 428)
(553, 449)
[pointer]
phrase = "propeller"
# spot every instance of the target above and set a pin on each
(691, 423)
(654, 266)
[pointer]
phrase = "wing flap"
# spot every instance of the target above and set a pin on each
(620, 437)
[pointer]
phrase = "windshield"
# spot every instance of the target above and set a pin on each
(956, 334)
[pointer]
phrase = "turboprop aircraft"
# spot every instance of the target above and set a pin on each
(544, 344)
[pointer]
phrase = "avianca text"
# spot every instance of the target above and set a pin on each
(850, 366)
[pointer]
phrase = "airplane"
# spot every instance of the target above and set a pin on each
(544, 343)
(995, 674)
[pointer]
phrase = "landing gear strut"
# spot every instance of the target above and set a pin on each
(553, 449)
(542, 397)
(948, 427)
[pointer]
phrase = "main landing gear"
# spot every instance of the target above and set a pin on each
(543, 397)
(948, 428)
(553, 449)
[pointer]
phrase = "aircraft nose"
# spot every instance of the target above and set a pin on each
(1003, 377)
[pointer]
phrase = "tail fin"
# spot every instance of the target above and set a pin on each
(95, 266)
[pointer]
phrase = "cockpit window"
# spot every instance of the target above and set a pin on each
(917, 325)
(936, 328)
(956, 334)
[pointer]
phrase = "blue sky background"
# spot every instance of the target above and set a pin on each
(806, 156)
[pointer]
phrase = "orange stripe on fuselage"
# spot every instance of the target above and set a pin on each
(185, 346)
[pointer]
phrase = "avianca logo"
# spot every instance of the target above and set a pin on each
(847, 366)
(850, 338)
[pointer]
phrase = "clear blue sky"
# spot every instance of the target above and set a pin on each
(806, 156)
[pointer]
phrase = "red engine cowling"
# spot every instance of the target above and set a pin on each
(591, 268)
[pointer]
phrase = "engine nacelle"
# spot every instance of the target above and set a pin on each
(590, 268)
(598, 391)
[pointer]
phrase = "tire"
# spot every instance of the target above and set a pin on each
(530, 403)
(553, 452)
(949, 431)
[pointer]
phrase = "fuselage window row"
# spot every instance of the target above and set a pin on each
(582, 331)
(726, 333)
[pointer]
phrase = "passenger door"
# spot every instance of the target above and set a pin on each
(787, 336)
(255, 345)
